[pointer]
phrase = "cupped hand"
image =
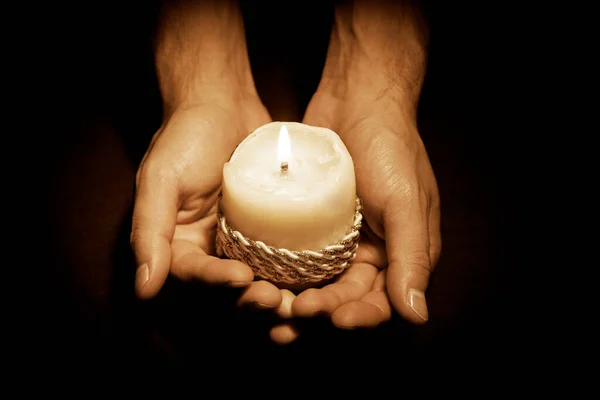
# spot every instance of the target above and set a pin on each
(401, 240)
(175, 215)
(174, 222)
(353, 299)
(174, 218)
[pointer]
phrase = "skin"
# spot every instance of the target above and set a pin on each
(368, 94)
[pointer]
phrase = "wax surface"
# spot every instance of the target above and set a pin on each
(309, 207)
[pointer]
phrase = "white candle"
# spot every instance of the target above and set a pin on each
(296, 192)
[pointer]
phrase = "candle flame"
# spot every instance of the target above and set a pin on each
(284, 148)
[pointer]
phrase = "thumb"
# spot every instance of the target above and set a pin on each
(407, 243)
(153, 226)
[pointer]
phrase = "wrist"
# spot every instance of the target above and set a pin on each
(227, 89)
(201, 55)
(392, 111)
(237, 117)
(377, 54)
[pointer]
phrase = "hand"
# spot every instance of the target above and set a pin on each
(174, 219)
(400, 240)
(364, 280)
(401, 209)
(368, 94)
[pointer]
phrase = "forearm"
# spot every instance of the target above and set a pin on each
(200, 51)
(378, 50)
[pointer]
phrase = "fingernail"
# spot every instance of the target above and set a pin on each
(416, 301)
(237, 283)
(346, 327)
(141, 276)
(262, 306)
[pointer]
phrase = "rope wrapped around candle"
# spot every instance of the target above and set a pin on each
(286, 266)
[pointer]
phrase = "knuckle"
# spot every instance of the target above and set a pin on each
(406, 195)
(185, 267)
(435, 251)
(419, 263)
(135, 237)
(181, 271)
(153, 170)
(408, 190)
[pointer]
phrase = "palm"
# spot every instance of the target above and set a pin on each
(178, 183)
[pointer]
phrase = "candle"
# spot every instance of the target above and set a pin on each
(291, 186)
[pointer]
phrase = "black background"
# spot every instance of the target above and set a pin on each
(101, 106)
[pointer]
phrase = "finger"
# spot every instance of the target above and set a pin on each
(370, 311)
(407, 239)
(190, 262)
(284, 310)
(153, 225)
(435, 234)
(261, 294)
(284, 333)
(352, 285)
(371, 250)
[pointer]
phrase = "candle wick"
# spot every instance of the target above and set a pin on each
(284, 167)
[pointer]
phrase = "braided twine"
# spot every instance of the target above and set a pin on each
(286, 266)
